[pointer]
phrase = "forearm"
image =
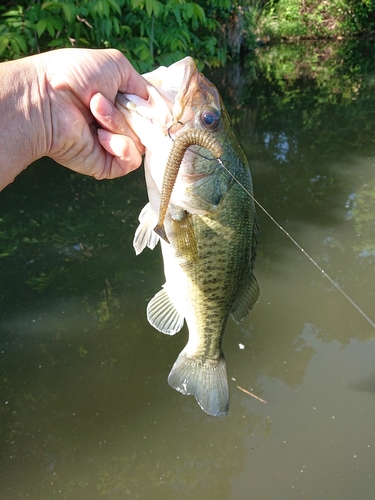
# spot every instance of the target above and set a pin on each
(24, 119)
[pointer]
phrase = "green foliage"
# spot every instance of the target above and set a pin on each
(159, 32)
(149, 32)
(36, 26)
(317, 19)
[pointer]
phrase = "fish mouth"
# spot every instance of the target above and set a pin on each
(195, 93)
(177, 95)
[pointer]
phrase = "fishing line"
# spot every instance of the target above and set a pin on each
(302, 249)
(356, 306)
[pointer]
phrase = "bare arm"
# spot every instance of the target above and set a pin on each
(51, 104)
(23, 132)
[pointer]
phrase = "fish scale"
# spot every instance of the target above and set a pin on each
(214, 277)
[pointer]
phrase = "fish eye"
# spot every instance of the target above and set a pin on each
(210, 118)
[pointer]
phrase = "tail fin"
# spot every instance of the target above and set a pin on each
(205, 379)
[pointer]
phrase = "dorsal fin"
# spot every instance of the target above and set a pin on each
(246, 300)
(250, 292)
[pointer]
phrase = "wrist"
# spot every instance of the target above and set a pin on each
(25, 115)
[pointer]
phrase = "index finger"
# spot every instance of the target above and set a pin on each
(131, 81)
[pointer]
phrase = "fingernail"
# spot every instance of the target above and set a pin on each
(104, 135)
(105, 106)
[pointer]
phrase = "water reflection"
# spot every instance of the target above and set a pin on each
(279, 146)
(86, 411)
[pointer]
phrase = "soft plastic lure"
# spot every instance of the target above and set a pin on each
(191, 137)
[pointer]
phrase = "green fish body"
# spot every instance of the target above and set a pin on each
(212, 231)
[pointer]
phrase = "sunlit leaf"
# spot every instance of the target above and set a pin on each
(116, 25)
(41, 27)
(199, 13)
(190, 9)
(115, 6)
(105, 7)
(4, 41)
(49, 5)
(50, 28)
(69, 11)
(59, 42)
(108, 26)
(153, 7)
(13, 13)
(137, 3)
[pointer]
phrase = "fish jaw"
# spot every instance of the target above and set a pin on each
(177, 83)
(147, 118)
(177, 95)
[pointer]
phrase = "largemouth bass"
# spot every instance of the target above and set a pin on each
(209, 228)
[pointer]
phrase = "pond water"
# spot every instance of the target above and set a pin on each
(86, 411)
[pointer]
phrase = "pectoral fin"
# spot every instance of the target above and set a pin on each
(163, 315)
(145, 234)
(246, 300)
(181, 233)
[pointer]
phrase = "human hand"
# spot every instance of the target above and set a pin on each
(81, 87)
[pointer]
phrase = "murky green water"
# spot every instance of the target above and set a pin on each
(85, 408)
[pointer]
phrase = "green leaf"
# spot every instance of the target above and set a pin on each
(116, 25)
(107, 25)
(115, 6)
(176, 9)
(137, 3)
(190, 9)
(199, 13)
(41, 27)
(153, 7)
(4, 41)
(69, 11)
(149, 7)
(14, 45)
(104, 7)
(49, 5)
(59, 42)
(13, 13)
(50, 28)
(18, 41)
(77, 31)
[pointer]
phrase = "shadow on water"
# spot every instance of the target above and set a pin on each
(85, 408)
